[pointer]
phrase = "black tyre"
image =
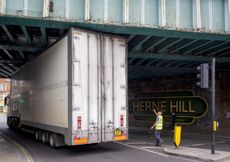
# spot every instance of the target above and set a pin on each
(52, 140)
(37, 135)
(45, 137)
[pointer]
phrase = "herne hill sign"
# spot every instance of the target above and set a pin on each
(186, 108)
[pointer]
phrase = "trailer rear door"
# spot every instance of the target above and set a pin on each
(86, 92)
(114, 89)
(98, 88)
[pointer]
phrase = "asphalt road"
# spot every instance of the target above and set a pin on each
(140, 148)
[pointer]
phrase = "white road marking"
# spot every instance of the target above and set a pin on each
(143, 149)
(20, 147)
(139, 148)
(221, 142)
(149, 147)
(199, 144)
(136, 143)
(202, 144)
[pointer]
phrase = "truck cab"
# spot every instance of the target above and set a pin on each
(13, 119)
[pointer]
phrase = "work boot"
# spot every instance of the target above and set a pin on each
(161, 141)
(158, 143)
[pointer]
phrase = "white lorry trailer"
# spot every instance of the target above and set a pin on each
(75, 92)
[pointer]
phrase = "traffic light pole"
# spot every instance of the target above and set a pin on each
(214, 124)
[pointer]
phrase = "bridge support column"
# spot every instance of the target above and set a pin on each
(142, 12)
(196, 14)
(67, 9)
(227, 15)
(210, 12)
(45, 8)
(106, 10)
(126, 11)
(2, 6)
(25, 7)
(87, 10)
(162, 13)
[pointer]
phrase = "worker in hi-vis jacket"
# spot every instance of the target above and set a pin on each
(158, 126)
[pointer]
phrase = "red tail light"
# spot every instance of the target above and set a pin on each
(121, 120)
(79, 122)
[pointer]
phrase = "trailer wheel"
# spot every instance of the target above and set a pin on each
(10, 125)
(36, 134)
(44, 137)
(52, 140)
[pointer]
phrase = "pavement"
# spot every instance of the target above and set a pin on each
(200, 154)
(196, 151)
(10, 151)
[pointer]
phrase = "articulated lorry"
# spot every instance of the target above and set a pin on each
(75, 92)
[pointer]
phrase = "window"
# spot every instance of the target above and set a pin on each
(1, 87)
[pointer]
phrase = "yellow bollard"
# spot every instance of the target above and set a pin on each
(177, 135)
(214, 126)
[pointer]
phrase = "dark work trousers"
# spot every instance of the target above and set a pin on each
(157, 135)
(173, 126)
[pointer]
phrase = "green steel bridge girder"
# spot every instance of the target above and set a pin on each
(211, 16)
(126, 29)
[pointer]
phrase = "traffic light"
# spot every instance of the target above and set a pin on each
(203, 75)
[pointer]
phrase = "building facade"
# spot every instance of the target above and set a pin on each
(4, 91)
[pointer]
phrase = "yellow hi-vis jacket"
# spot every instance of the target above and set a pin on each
(159, 125)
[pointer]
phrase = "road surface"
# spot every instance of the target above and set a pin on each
(140, 148)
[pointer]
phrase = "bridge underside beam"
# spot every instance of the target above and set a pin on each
(176, 57)
(19, 48)
(177, 37)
